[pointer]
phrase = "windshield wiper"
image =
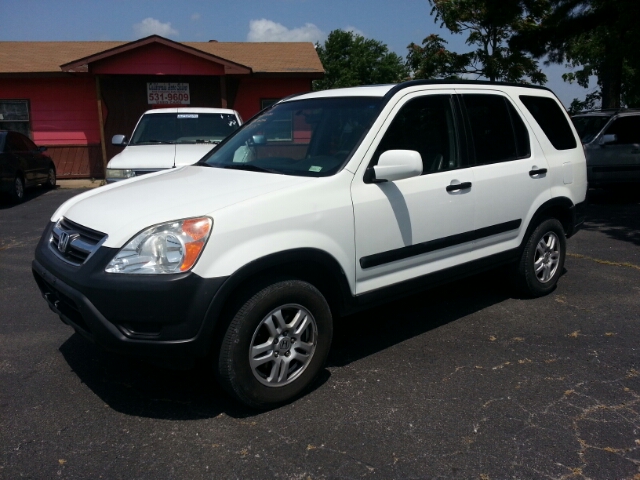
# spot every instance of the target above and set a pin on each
(154, 141)
(251, 168)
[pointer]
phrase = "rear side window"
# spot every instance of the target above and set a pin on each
(498, 132)
(552, 121)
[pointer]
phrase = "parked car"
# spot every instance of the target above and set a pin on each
(611, 141)
(23, 164)
(170, 137)
(325, 204)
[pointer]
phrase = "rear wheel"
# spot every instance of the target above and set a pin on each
(17, 190)
(276, 344)
(51, 178)
(542, 259)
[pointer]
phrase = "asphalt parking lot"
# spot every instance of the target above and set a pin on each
(464, 381)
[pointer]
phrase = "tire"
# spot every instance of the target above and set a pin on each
(285, 324)
(51, 179)
(542, 259)
(17, 190)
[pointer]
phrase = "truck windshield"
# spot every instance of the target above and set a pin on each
(589, 126)
(159, 128)
(313, 137)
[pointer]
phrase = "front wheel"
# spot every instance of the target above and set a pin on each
(542, 259)
(276, 344)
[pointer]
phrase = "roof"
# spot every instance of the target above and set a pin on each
(391, 89)
(267, 57)
(190, 110)
(607, 112)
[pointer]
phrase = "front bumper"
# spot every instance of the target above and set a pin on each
(163, 316)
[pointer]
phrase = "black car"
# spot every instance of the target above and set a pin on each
(23, 164)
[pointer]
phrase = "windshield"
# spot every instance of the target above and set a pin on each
(158, 128)
(301, 137)
(589, 126)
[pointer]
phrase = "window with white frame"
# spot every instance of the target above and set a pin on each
(14, 115)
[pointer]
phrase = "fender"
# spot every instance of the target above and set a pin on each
(327, 275)
(570, 215)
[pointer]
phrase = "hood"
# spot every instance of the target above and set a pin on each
(124, 208)
(159, 156)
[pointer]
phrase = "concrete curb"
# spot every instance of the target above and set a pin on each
(79, 183)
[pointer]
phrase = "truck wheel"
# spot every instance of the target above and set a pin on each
(542, 259)
(276, 344)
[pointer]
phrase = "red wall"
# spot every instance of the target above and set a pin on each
(63, 111)
(252, 90)
(156, 59)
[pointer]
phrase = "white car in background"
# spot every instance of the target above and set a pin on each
(170, 137)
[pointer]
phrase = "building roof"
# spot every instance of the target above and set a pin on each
(267, 57)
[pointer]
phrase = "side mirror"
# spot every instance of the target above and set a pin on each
(42, 149)
(609, 138)
(119, 140)
(397, 165)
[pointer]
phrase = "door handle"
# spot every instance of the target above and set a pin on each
(458, 186)
(537, 172)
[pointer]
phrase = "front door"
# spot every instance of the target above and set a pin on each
(412, 227)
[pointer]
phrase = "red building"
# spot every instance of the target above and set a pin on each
(72, 97)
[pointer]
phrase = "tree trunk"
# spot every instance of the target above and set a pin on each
(611, 77)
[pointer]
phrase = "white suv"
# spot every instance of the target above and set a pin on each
(327, 203)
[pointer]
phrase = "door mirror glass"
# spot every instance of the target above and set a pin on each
(119, 140)
(608, 138)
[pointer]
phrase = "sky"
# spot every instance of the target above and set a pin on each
(396, 23)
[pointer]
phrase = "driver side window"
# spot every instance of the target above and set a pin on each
(426, 125)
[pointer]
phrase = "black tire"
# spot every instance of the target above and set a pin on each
(542, 259)
(17, 190)
(258, 386)
(51, 178)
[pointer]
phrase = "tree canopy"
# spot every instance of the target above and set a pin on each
(599, 37)
(488, 24)
(350, 59)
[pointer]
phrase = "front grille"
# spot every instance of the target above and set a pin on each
(74, 243)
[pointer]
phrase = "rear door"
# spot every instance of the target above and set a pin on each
(510, 175)
(38, 160)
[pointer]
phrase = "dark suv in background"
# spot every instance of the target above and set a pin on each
(611, 140)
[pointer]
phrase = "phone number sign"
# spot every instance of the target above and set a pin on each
(168, 94)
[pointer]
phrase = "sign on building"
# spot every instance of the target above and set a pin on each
(168, 94)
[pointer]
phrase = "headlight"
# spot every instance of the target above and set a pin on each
(172, 247)
(120, 173)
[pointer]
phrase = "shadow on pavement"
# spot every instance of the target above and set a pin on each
(614, 213)
(133, 387)
(29, 195)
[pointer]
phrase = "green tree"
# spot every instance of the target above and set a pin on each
(350, 59)
(598, 37)
(488, 24)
